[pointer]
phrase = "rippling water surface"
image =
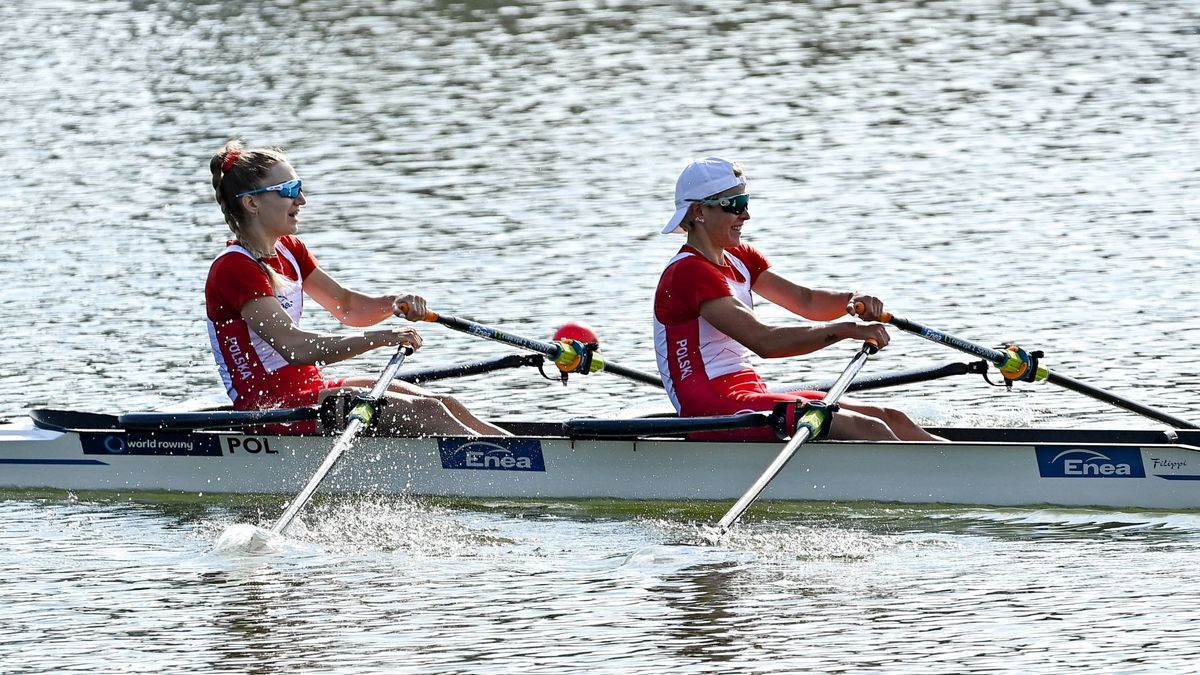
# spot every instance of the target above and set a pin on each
(1006, 171)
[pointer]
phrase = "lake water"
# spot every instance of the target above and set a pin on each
(1018, 171)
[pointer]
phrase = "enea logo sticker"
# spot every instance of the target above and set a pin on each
(495, 454)
(1061, 461)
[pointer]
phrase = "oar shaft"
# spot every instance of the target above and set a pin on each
(739, 507)
(547, 348)
(900, 378)
(343, 442)
(630, 373)
(557, 352)
(1000, 359)
(994, 355)
(1119, 401)
(360, 416)
(803, 433)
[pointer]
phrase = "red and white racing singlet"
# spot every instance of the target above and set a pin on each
(255, 375)
(705, 371)
(691, 352)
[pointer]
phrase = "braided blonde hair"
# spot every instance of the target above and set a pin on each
(235, 170)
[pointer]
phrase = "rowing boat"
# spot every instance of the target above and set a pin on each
(220, 451)
(619, 459)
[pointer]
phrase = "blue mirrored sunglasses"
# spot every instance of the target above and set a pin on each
(288, 189)
(734, 204)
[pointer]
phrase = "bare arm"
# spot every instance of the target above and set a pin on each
(815, 303)
(739, 322)
(353, 308)
(299, 347)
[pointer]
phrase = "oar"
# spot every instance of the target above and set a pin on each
(815, 418)
(569, 356)
(360, 417)
(895, 379)
(1015, 365)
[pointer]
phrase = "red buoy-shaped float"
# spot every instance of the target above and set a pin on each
(574, 330)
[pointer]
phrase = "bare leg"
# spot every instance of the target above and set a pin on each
(900, 424)
(468, 418)
(462, 418)
(853, 426)
(421, 416)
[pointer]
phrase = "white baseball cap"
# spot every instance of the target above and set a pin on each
(701, 179)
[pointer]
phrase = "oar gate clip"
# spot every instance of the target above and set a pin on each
(338, 409)
(577, 357)
(789, 417)
(1019, 366)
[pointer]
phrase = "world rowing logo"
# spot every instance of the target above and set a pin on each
(1057, 461)
(170, 443)
(492, 455)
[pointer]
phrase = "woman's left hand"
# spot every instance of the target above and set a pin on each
(411, 307)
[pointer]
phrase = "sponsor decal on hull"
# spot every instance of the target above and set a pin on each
(493, 454)
(149, 443)
(1064, 461)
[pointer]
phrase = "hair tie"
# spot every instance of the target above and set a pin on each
(231, 158)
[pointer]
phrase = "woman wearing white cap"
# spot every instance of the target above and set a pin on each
(705, 326)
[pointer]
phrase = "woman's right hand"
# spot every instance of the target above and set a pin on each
(875, 332)
(394, 337)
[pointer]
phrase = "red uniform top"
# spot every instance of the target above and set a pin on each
(705, 371)
(692, 354)
(256, 376)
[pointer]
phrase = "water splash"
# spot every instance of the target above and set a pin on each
(243, 538)
(373, 523)
(783, 540)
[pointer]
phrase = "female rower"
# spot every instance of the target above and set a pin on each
(705, 326)
(255, 296)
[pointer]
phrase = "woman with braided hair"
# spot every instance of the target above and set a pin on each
(255, 296)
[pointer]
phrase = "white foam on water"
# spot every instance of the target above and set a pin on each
(1004, 413)
(245, 538)
(370, 523)
(782, 540)
(1083, 519)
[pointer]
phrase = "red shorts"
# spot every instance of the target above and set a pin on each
(297, 399)
(736, 393)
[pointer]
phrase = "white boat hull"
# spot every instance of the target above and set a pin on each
(1000, 473)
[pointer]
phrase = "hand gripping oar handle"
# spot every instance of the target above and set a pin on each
(566, 355)
(1011, 362)
(815, 418)
(361, 416)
